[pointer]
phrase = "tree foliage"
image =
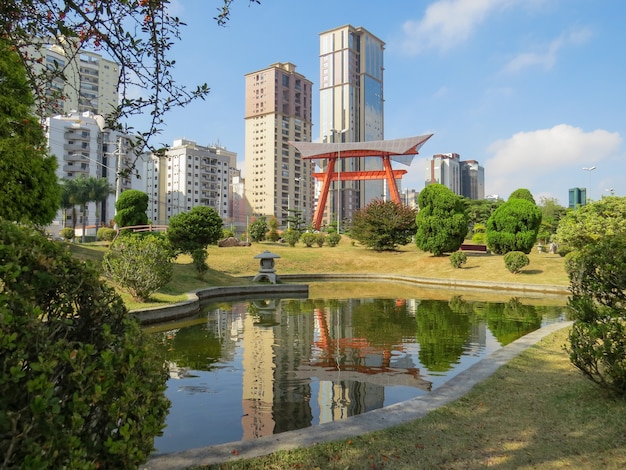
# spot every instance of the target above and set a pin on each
(513, 227)
(82, 385)
(522, 193)
(551, 214)
(138, 35)
(139, 263)
(383, 225)
(30, 190)
(194, 230)
(258, 229)
(479, 210)
(597, 341)
(442, 222)
(592, 222)
(131, 208)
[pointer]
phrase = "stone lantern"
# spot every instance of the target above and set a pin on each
(266, 270)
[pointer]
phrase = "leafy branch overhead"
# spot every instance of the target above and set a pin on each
(136, 34)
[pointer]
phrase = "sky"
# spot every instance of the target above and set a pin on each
(534, 90)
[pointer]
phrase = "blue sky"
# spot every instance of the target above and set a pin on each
(535, 90)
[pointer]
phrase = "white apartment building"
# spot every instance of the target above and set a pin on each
(278, 110)
(186, 176)
(83, 146)
(91, 81)
(351, 110)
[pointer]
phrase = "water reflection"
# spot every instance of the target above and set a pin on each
(252, 369)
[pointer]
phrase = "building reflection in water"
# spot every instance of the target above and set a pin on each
(307, 362)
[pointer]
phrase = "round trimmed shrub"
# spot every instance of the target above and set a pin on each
(515, 261)
(67, 233)
(333, 239)
(308, 238)
(82, 385)
(458, 259)
(106, 234)
(320, 239)
(291, 236)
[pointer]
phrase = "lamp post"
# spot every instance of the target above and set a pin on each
(334, 133)
(589, 169)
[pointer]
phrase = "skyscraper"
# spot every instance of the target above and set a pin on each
(278, 110)
(464, 177)
(351, 109)
(472, 180)
(445, 168)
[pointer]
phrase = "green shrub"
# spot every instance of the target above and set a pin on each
(67, 233)
(333, 239)
(320, 239)
(227, 233)
(106, 234)
(291, 237)
(515, 261)
(139, 264)
(458, 259)
(308, 238)
(82, 385)
(479, 238)
(273, 235)
(597, 340)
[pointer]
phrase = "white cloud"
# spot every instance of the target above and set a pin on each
(527, 157)
(545, 56)
(448, 23)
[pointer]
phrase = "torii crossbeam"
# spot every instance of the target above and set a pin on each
(398, 150)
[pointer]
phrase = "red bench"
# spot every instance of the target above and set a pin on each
(472, 247)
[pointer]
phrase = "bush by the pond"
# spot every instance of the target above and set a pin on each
(308, 238)
(82, 385)
(333, 239)
(291, 236)
(515, 261)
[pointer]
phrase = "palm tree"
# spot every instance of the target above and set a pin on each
(99, 190)
(81, 197)
(68, 200)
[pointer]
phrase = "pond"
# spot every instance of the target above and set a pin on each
(243, 370)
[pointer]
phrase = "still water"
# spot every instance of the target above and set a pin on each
(248, 369)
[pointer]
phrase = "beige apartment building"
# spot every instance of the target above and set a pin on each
(278, 110)
(351, 110)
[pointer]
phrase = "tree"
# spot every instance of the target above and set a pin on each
(522, 193)
(513, 227)
(191, 232)
(82, 384)
(196, 229)
(597, 340)
(139, 263)
(591, 222)
(383, 225)
(258, 229)
(140, 44)
(68, 189)
(442, 222)
(30, 190)
(131, 208)
(98, 190)
(551, 214)
(479, 210)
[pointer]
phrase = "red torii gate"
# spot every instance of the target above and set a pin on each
(398, 150)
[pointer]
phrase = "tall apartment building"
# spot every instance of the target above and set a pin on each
(278, 110)
(472, 180)
(84, 147)
(188, 175)
(90, 81)
(351, 109)
(465, 178)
